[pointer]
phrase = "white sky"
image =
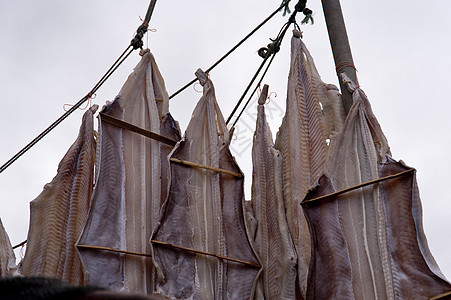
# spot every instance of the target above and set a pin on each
(53, 52)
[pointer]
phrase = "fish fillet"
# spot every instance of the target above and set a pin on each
(58, 214)
(204, 211)
(368, 243)
(302, 143)
(8, 266)
(273, 241)
(127, 196)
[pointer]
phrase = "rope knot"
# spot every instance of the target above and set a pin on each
(137, 42)
(300, 6)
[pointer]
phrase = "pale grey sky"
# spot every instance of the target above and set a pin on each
(53, 52)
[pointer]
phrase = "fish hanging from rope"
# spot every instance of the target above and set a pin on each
(58, 214)
(368, 243)
(201, 247)
(313, 114)
(272, 241)
(130, 183)
(8, 266)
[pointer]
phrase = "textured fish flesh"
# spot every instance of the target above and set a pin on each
(130, 183)
(302, 142)
(273, 242)
(368, 243)
(204, 211)
(58, 214)
(8, 266)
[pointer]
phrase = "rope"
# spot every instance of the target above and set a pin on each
(134, 44)
(343, 65)
(271, 49)
(21, 244)
(233, 48)
(247, 88)
(255, 89)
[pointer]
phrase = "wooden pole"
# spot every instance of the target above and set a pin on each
(150, 11)
(340, 46)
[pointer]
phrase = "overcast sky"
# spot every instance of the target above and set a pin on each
(53, 52)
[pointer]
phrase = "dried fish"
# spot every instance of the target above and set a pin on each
(127, 196)
(204, 212)
(59, 213)
(368, 243)
(273, 241)
(8, 266)
(302, 143)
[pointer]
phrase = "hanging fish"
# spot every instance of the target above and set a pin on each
(368, 242)
(273, 242)
(8, 266)
(58, 214)
(203, 218)
(302, 142)
(130, 183)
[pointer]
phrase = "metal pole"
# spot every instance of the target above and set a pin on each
(340, 46)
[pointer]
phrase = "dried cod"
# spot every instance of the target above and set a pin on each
(273, 242)
(130, 182)
(368, 243)
(8, 266)
(58, 214)
(204, 212)
(301, 141)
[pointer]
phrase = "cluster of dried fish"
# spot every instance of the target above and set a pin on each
(180, 210)
(7, 258)
(59, 213)
(368, 243)
(204, 214)
(272, 239)
(130, 183)
(302, 142)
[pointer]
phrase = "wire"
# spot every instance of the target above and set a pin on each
(233, 48)
(247, 88)
(271, 50)
(256, 88)
(136, 43)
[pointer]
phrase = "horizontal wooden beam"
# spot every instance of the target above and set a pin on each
(125, 125)
(166, 244)
(358, 186)
(114, 250)
(196, 165)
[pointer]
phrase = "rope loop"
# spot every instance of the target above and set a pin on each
(344, 64)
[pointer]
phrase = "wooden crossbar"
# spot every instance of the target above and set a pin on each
(359, 186)
(196, 165)
(125, 125)
(114, 250)
(205, 253)
(441, 296)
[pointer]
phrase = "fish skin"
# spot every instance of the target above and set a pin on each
(301, 140)
(169, 128)
(129, 187)
(204, 211)
(58, 214)
(328, 264)
(273, 242)
(411, 259)
(8, 266)
(383, 252)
